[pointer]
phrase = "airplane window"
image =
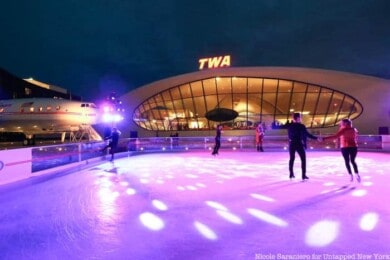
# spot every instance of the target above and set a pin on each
(48, 108)
(82, 105)
(31, 109)
(58, 107)
(40, 109)
(1, 110)
(27, 91)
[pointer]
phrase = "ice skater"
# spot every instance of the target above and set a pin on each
(113, 143)
(217, 144)
(297, 135)
(348, 145)
(259, 138)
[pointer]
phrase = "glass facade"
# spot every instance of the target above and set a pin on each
(266, 100)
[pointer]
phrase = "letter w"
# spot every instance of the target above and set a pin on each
(214, 62)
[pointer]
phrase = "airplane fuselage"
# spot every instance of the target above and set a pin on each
(40, 115)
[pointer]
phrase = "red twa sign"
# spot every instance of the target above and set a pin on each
(214, 62)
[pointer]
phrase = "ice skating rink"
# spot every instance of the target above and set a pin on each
(238, 205)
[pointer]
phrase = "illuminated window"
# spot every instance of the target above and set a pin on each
(255, 100)
(27, 91)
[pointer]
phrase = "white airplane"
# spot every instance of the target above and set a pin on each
(35, 116)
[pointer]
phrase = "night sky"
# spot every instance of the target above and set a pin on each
(94, 47)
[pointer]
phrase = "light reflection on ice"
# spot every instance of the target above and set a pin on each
(369, 221)
(229, 217)
(130, 191)
(262, 197)
(107, 206)
(144, 181)
(190, 187)
(329, 184)
(267, 217)
(160, 182)
(322, 233)
(159, 205)
(224, 176)
(151, 221)
(205, 231)
(191, 176)
(105, 182)
(106, 195)
(216, 205)
(359, 193)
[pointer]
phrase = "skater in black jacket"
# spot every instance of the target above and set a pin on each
(113, 143)
(217, 140)
(297, 135)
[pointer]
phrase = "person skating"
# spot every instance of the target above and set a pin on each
(259, 138)
(348, 145)
(297, 135)
(113, 143)
(217, 144)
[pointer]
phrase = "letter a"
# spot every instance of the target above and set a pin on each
(226, 61)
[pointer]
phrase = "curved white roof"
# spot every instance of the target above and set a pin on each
(373, 93)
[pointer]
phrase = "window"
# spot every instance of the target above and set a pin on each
(27, 91)
(254, 99)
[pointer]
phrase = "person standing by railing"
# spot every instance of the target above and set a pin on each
(217, 140)
(259, 138)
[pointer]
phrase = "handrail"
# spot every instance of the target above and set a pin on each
(366, 142)
(19, 164)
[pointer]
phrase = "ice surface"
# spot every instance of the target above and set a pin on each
(238, 205)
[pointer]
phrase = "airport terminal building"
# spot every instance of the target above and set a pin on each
(239, 98)
(13, 87)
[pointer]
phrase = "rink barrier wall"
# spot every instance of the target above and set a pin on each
(386, 142)
(29, 162)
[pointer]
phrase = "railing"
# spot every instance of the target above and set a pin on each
(46, 157)
(271, 143)
(18, 164)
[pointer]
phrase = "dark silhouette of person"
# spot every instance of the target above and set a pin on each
(107, 132)
(113, 143)
(297, 135)
(217, 140)
(348, 145)
(175, 139)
